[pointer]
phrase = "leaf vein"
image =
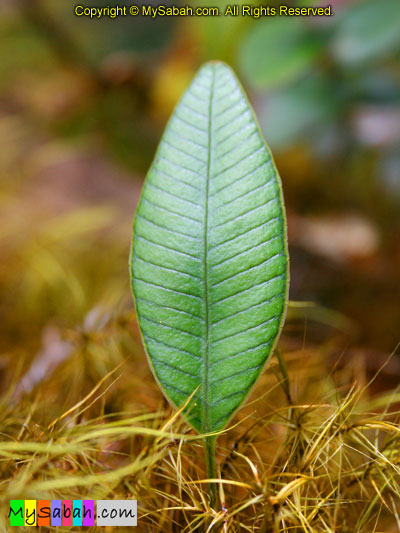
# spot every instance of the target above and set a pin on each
(167, 247)
(152, 284)
(222, 126)
(249, 288)
(231, 135)
(238, 180)
(241, 352)
(246, 330)
(251, 210)
(231, 104)
(243, 310)
(184, 105)
(174, 368)
(232, 200)
(186, 139)
(169, 211)
(233, 148)
(166, 268)
(180, 151)
(179, 166)
(246, 270)
(161, 306)
(254, 152)
(217, 402)
(184, 200)
(251, 247)
(184, 121)
(160, 324)
(161, 171)
(245, 371)
(166, 229)
(247, 230)
(172, 347)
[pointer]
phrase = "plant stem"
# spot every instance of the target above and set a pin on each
(285, 375)
(209, 448)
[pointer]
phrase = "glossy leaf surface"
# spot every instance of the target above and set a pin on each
(209, 261)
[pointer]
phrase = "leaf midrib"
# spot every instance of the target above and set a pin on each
(205, 263)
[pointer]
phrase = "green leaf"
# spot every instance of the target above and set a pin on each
(209, 264)
(367, 31)
(299, 112)
(277, 50)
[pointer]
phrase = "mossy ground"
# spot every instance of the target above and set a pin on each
(316, 452)
(82, 417)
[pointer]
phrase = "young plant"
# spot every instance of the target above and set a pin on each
(209, 260)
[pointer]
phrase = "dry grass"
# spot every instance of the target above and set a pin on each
(313, 452)
(316, 450)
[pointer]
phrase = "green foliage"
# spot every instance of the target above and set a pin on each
(309, 104)
(209, 265)
(315, 70)
(277, 51)
(367, 31)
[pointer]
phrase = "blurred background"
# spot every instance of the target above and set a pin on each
(83, 104)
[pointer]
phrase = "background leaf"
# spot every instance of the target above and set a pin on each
(368, 30)
(310, 104)
(278, 50)
(209, 260)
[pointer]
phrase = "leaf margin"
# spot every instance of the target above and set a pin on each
(284, 236)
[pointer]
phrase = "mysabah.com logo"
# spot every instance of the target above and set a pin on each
(73, 513)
